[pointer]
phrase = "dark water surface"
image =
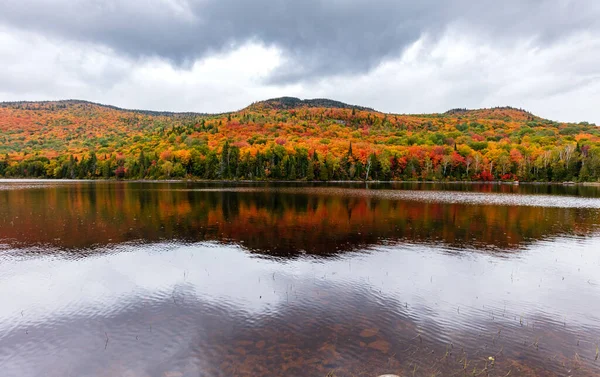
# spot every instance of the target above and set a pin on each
(182, 279)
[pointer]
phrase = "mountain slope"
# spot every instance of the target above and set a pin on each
(285, 103)
(75, 103)
(289, 138)
(500, 113)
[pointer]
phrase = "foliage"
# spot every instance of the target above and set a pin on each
(291, 139)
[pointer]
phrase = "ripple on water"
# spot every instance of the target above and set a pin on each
(433, 196)
(399, 304)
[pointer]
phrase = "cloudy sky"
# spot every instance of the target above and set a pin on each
(393, 55)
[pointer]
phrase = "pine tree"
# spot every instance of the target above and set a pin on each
(224, 167)
(323, 173)
(310, 171)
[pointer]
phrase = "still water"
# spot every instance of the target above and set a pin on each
(183, 279)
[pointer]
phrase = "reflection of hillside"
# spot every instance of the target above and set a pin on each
(87, 215)
(305, 337)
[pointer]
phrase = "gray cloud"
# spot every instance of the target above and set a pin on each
(317, 38)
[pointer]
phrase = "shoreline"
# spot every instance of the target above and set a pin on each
(187, 180)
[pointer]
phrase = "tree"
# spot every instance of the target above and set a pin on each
(120, 172)
(212, 168)
(371, 161)
(468, 162)
(224, 172)
(477, 160)
(323, 171)
(167, 168)
(3, 165)
(503, 162)
(310, 173)
(446, 161)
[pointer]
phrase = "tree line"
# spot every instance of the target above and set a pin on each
(570, 162)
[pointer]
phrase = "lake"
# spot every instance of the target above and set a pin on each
(175, 279)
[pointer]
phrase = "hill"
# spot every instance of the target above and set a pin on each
(285, 103)
(70, 103)
(290, 138)
(501, 113)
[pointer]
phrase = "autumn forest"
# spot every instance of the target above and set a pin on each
(291, 139)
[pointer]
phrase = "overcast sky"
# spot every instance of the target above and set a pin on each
(393, 55)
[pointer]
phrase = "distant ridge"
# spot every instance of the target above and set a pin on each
(283, 103)
(465, 110)
(47, 105)
(499, 112)
(280, 103)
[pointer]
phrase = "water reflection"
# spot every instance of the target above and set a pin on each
(284, 221)
(141, 279)
(211, 310)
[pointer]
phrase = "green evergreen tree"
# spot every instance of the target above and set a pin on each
(310, 171)
(224, 166)
(323, 173)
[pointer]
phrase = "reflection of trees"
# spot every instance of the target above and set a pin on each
(84, 215)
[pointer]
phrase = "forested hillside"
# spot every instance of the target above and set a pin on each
(292, 139)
